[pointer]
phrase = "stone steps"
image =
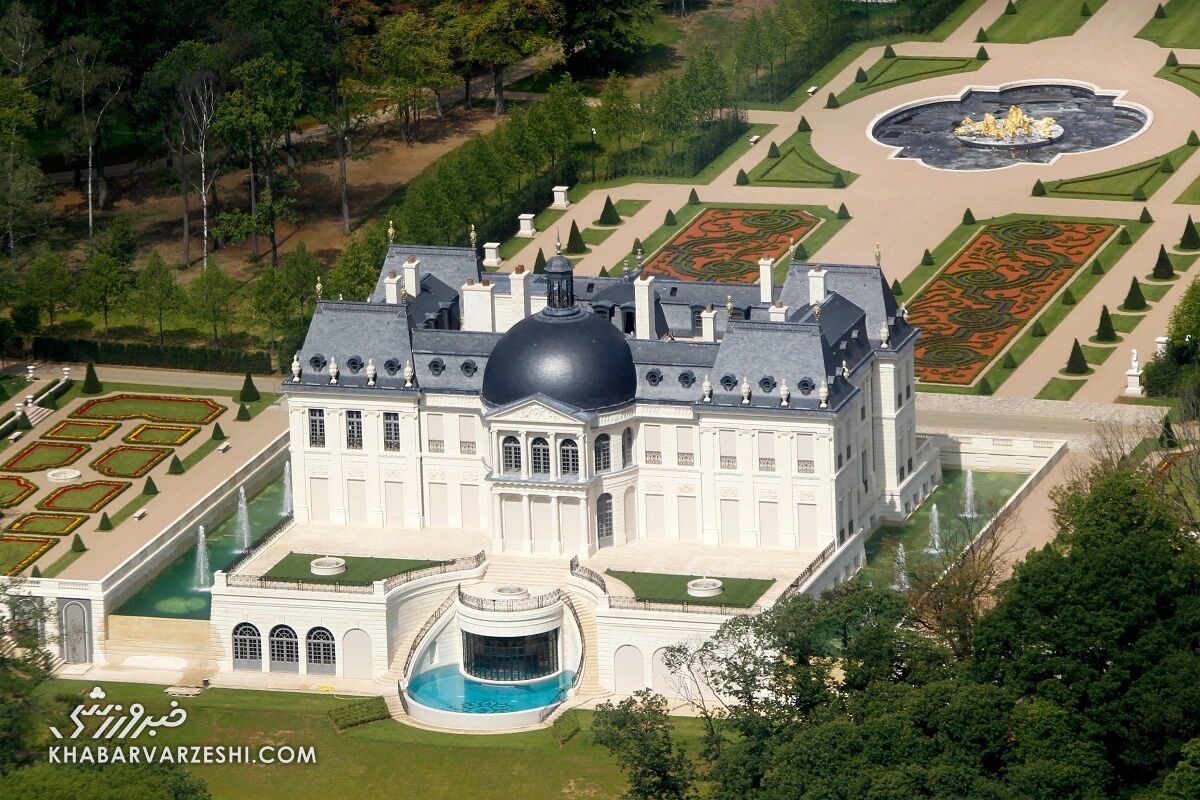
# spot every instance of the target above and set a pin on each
(589, 684)
(537, 573)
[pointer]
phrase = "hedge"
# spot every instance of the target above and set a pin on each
(360, 713)
(139, 354)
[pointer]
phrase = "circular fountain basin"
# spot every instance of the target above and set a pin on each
(63, 475)
(327, 565)
(1056, 133)
(512, 592)
(705, 587)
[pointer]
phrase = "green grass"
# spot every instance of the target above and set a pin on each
(88, 499)
(888, 73)
(13, 553)
(14, 488)
(1182, 262)
(1181, 28)
(129, 509)
(151, 409)
(42, 455)
(1185, 75)
(193, 458)
(1060, 389)
(76, 431)
(40, 524)
(655, 587)
(1125, 323)
(1191, 195)
(362, 761)
(1097, 355)
(798, 165)
(125, 462)
(173, 435)
(1040, 19)
(1122, 183)
(627, 208)
(115, 387)
(359, 569)
(595, 236)
(1053, 313)
(65, 560)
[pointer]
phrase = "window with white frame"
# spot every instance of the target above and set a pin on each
(727, 442)
(685, 453)
(627, 448)
(466, 434)
(511, 455)
(391, 430)
(539, 457)
(652, 439)
(354, 433)
(316, 427)
(805, 463)
(568, 455)
(766, 451)
(435, 434)
(603, 451)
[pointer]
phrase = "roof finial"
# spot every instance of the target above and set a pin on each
(391, 232)
(474, 239)
(785, 394)
(878, 254)
(845, 369)
(885, 334)
(706, 388)
(408, 375)
(320, 288)
(729, 305)
(823, 395)
(296, 368)
(558, 240)
(745, 390)
(333, 370)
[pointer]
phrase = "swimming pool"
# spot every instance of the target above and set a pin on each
(445, 688)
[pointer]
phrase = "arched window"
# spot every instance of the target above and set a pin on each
(627, 448)
(321, 652)
(603, 453)
(539, 457)
(512, 455)
(604, 521)
(285, 650)
(247, 648)
(568, 457)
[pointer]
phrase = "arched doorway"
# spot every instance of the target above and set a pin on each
(629, 670)
(659, 674)
(247, 648)
(76, 638)
(604, 521)
(356, 654)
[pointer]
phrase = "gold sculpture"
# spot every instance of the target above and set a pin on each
(1017, 123)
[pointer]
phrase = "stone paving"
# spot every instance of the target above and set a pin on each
(907, 207)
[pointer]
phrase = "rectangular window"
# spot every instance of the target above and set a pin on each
(805, 463)
(354, 430)
(652, 436)
(685, 454)
(391, 430)
(466, 435)
(727, 441)
(766, 451)
(436, 437)
(316, 427)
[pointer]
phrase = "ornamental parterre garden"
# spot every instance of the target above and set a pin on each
(152, 408)
(161, 434)
(129, 462)
(45, 455)
(90, 496)
(78, 431)
(44, 523)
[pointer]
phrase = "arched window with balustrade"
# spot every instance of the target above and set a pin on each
(511, 449)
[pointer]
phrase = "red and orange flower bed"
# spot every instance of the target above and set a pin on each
(14, 489)
(80, 431)
(173, 435)
(154, 408)
(725, 244)
(88, 497)
(45, 455)
(975, 306)
(18, 552)
(126, 461)
(42, 523)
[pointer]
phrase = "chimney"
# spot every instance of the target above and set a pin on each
(766, 279)
(519, 292)
(816, 284)
(391, 288)
(643, 305)
(412, 276)
(778, 311)
(708, 325)
(478, 309)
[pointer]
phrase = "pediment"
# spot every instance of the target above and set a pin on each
(540, 409)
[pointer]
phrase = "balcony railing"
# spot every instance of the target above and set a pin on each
(271, 535)
(520, 604)
(469, 562)
(391, 445)
(654, 456)
(802, 578)
(632, 603)
(466, 448)
(580, 571)
(806, 466)
(686, 459)
(728, 462)
(766, 465)
(436, 446)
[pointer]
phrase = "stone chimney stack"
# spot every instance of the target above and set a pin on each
(391, 288)
(412, 276)
(643, 304)
(766, 279)
(816, 285)
(479, 312)
(708, 325)
(778, 311)
(519, 289)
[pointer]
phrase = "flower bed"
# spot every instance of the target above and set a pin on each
(79, 431)
(975, 306)
(14, 489)
(45, 455)
(129, 462)
(89, 497)
(725, 244)
(18, 552)
(155, 408)
(174, 435)
(51, 524)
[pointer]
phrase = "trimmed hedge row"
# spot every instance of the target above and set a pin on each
(139, 354)
(371, 710)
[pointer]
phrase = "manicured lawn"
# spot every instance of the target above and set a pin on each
(155, 408)
(112, 387)
(627, 208)
(43, 523)
(61, 563)
(1125, 323)
(1096, 355)
(888, 73)
(18, 552)
(1181, 28)
(193, 458)
(798, 164)
(129, 509)
(1060, 389)
(89, 497)
(595, 236)
(14, 489)
(1122, 183)
(1186, 75)
(381, 759)
(127, 461)
(45, 455)
(161, 434)
(1040, 19)
(655, 587)
(1191, 195)
(78, 431)
(360, 570)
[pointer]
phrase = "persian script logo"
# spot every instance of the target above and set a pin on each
(118, 722)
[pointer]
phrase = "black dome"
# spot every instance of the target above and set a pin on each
(575, 358)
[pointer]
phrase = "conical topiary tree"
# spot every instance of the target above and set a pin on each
(243, 414)
(773, 151)
(1097, 267)
(839, 180)
(1160, 13)
(1172, 59)
(1068, 299)
(1010, 8)
(832, 101)
(35, 572)
(693, 198)
(77, 545)
(803, 126)
(1164, 270)
(151, 488)
(539, 263)
(175, 467)
(105, 523)
(1076, 363)
(1037, 331)
(1193, 139)
(670, 218)
(1039, 188)
(985, 386)
(742, 178)
(1139, 194)
(968, 217)
(843, 212)
(1191, 237)
(249, 393)
(23, 423)
(981, 36)
(1123, 237)
(1134, 299)
(1166, 434)
(981, 54)
(860, 76)
(897, 289)
(927, 258)
(1145, 217)
(1166, 166)
(637, 244)
(575, 244)
(1085, 10)
(1105, 331)
(91, 383)
(218, 435)
(888, 52)
(1008, 362)
(609, 215)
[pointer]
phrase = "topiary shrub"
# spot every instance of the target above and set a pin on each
(35, 572)
(359, 713)
(151, 488)
(1123, 237)
(1010, 9)
(49, 402)
(1076, 363)
(981, 54)
(1139, 194)
(105, 523)
(1008, 362)
(843, 212)
(1167, 166)
(243, 414)
(897, 289)
(1190, 240)
(1039, 189)
(609, 215)
(218, 435)
(839, 181)
(1160, 13)
(249, 393)
(832, 101)
(91, 384)
(670, 218)
(1145, 217)
(968, 217)
(860, 76)
(985, 386)
(693, 198)
(23, 423)
(575, 243)
(1068, 299)
(1134, 299)
(927, 258)
(801, 252)
(773, 151)
(77, 545)
(1164, 270)
(1037, 331)
(1193, 140)
(981, 36)
(176, 466)
(539, 263)
(742, 178)
(566, 727)
(1105, 331)
(637, 244)
(888, 52)
(803, 126)
(1085, 10)
(1097, 267)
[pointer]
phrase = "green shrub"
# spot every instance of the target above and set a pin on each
(1068, 299)
(981, 54)
(77, 545)
(981, 36)
(927, 258)
(218, 435)
(1085, 10)
(1139, 194)
(1037, 331)
(832, 101)
(1097, 267)
(48, 402)
(1105, 331)
(243, 414)
(860, 76)
(839, 181)
(1076, 363)
(1160, 13)
(609, 215)
(1008, 362)
(1039, 189)
(670, 218)
(575, 243)
(566, 727)
(144, 354)
(151, 487)
(35, 572)
(1123, 237)
(637, 244)
(985, 386)
(23, 423)
(968, 217)
(1193, 140)
(91, 384)
(1010, 9)
(1145, 217)
(1191, 236)
(1166, 434)
(370, 710)
(176, 466)
(1164, 270)
(105, 523)
(1134, 300)
(801, 252)
(1172, 59)
(742, 178)
(773, 151)
(693, 198)
(1167, 166)
(897, 289)
(888, 52)
(539, 263)
(843, 212)
(249, 393)
(803, 127)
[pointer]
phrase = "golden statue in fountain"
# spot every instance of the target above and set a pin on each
(1016, 125)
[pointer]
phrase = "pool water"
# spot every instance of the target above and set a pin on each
(172, 592)
(447, 689)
